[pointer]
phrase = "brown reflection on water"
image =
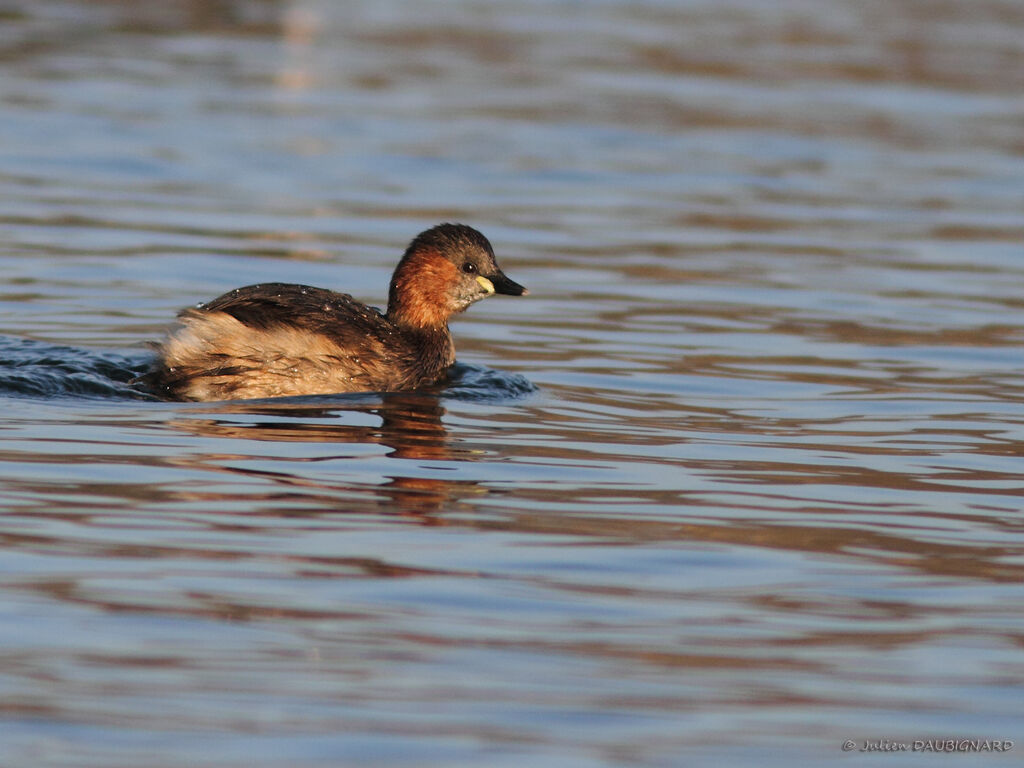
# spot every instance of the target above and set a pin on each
(411, 426)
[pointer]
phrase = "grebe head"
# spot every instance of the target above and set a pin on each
(443, 271)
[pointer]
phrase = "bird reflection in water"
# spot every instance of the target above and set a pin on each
(410, 425)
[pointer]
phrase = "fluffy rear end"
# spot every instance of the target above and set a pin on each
(214, 356)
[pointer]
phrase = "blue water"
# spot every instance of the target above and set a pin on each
(737, 482)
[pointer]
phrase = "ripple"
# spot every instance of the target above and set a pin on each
(482, 384)
(39, 369)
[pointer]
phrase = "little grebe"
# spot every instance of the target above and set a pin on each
(277, 339)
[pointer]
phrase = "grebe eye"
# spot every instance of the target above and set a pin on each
(469, 268)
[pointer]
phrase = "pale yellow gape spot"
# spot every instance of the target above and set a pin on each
(487, 284)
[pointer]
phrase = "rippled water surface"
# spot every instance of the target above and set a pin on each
(739, 480)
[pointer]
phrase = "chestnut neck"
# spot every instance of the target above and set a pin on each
(417, 299)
